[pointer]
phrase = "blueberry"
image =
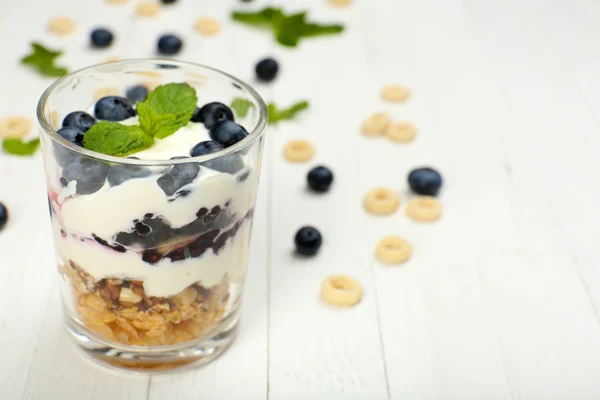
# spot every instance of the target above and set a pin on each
(169, 45)
(230, 163)
(136, 93)
(206, 147)
(79, 119)
(212, 113)
(425, 181)
(168, 1)
(89, 174)
(121, 173)
(113, 108)
(72, 134)
(320, 178)
(3, 215)
(308, 241)
(179, 176)
(227, 133)
(101, 38)
(266, 70)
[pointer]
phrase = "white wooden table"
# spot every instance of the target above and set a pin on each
(502, 297)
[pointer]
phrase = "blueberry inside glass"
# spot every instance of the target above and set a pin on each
(151, 219)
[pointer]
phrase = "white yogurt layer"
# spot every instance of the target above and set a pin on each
(113, 209)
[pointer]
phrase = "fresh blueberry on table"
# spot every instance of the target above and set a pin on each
(212, 113)
(320, 178)
(266, 70)
(179, 176)
(425, 181)
(136, 93)
(169, 45)
(308, 241)
(72, 134)
(3, 215)
(101, 38)
(114, 108)
(227, 133)
(79, 119)
(89, 174)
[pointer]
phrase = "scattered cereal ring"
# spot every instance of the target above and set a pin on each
(395, 93)
(401, 132)
(340, 3)
(147, 9)
(14, 127)
(207, 26)
(375, 124)
(341, 290)
(107, 91)
(298, 151)
(381, 201)
(393, 250)
(61, 25)
(424, 208)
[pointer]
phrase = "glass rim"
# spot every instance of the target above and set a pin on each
(256, 132)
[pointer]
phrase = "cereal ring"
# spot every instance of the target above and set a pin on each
(393, 250)
(111, 59)
(381, 201)
(341, 290)
(424, 208)
(298, 151)
(207, 26)
(375, 124)
(14, 127)
(339, 3)
(395, 93)
(147, 9)
(401, 132)
(117, 1)
(61, 25)
(106, 91)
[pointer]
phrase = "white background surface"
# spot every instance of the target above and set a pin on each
(501, 299)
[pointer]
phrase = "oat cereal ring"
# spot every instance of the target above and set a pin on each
(375, 124)
(341, 290)
(393, 250)
(401, 132)
(339, 3)
(395, 93)
(381, 201)
(61, 25)
(424, 208)
(147, 9)
(207, 26)
(14, 127)
(107, 91)
(298, 151)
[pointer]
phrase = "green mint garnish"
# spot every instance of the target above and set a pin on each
(42, 60)
(276, 115)
(166, 109)
(19, 148)
(241, 106)
(288, 29)
(116, 139)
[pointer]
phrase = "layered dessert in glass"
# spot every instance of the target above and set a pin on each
(151, 217)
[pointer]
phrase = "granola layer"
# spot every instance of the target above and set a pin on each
(120, 310)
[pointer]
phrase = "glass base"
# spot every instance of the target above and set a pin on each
(187, 355)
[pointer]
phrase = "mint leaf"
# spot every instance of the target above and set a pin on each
(241, 106)
(288, 29)
(115, 139)
(19, 148)
(42, 60)
(276, 115)
(166, 109)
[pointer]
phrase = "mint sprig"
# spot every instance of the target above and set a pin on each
(276, 115)
(166, 109)
(18, 147)
(241, 106)
(43, 60)
(288, 29)
(116, 139)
